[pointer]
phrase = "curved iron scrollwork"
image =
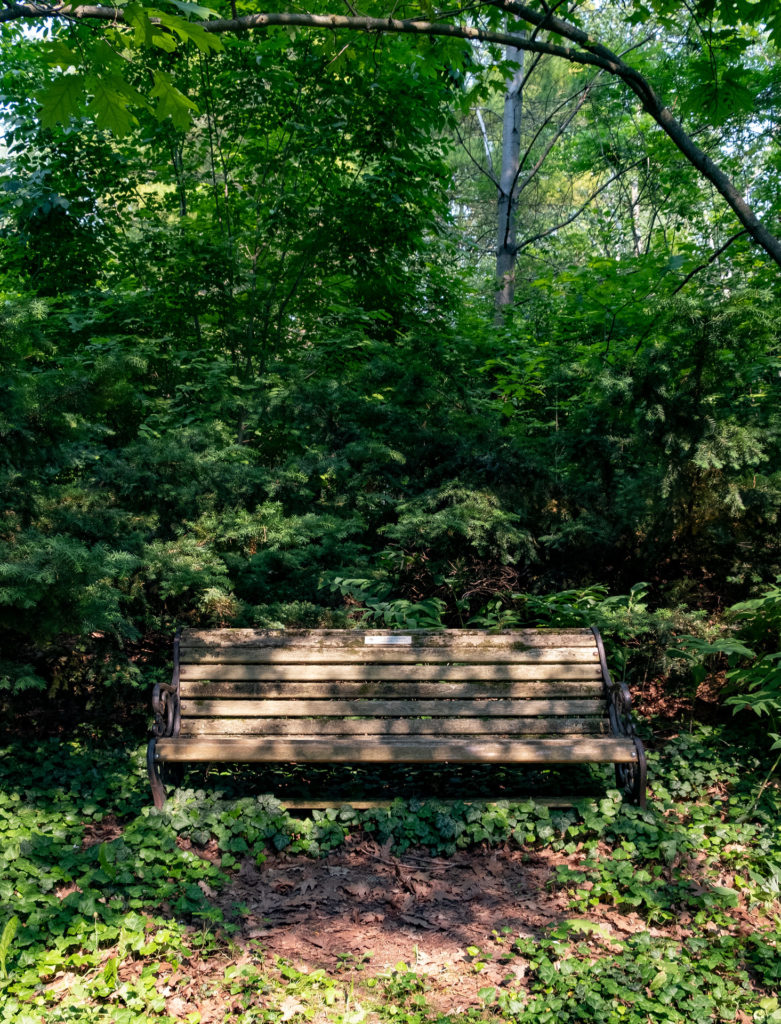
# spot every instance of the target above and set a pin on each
(630, 778)
(619, 706)
(165, 701)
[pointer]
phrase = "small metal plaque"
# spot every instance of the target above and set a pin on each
(387, 641)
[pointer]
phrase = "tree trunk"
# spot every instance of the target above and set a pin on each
(506, 229)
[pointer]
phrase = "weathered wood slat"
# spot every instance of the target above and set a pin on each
(319, 727)
(387, 708)
(351, 638)
(201, 689)
(400, 750)
(301, 673)
(387, 656)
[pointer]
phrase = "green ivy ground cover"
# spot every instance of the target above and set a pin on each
(103, 898)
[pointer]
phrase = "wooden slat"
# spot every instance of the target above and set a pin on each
(201, 689)
(398, 750)
(386, 708)
(301, 673)
(386, 656)
(320, 727)
(352, 638)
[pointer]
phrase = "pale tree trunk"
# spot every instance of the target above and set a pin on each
(634, 209)
(506, 233)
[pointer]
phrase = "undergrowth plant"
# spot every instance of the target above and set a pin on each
(98, 886)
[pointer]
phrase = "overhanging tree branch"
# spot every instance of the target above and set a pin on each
(663, 116)
(585, 51)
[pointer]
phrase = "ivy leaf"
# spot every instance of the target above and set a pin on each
(60, 99)
(6, 941)
(171, 102)
(658, 981)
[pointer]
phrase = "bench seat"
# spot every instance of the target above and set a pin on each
(394, 697)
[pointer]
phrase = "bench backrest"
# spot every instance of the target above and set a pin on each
(322, 683)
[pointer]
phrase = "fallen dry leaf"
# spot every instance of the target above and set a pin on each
(289, 1007)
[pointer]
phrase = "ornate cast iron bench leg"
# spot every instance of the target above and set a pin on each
(167, 712)
(630, 778)
(155, 781)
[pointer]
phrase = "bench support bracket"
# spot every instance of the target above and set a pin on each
(168, 716)
(630, 778)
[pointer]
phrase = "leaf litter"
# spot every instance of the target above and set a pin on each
(364, 903)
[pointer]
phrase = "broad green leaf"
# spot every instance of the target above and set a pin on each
(722, 97)
(109, 105)
(110, 973)
(171, 102)
(163, 40)
(774, 25)
(189, 32)
(60, 100)
(106, 57)
(61, 55)
(196, 9)
(137, 18)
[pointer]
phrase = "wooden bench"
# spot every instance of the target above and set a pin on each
(390, 697)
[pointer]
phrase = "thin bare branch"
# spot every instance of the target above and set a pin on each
(552, 141)
(487, 172)
(711, 259)
(563, 224)
(486, 144)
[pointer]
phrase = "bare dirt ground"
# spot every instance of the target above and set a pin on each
(362, 906)
(362, 911)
